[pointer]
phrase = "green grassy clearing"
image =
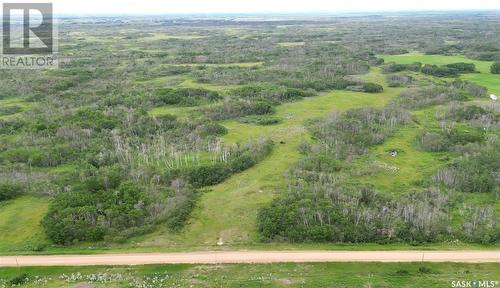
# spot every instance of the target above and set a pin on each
(398, 174)
(265, 275)
(491, 81)
(484, 78)
(20, 227)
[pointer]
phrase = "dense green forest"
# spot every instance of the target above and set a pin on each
(148, 123)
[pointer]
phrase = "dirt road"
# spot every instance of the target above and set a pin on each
(224, 257)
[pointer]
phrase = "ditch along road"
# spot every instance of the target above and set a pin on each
(227, 257)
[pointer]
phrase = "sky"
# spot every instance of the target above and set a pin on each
(260, 6)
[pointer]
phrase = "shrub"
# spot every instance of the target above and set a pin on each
(396, 80)
(101, 206)
(473, 89)
(262, 120)
(467, 113)
(372, 88)
(475, 171)
(439, 71)
(433, 142)
(495, 68)
(272, 93)
(211, 129)
(393, 67)
(215, 173)
(462, 67)
(426, 96)
(19, 280)
(10, 191)
(186, 96)
(236, 108)
(448, 139)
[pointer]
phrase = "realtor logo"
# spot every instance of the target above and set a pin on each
(28, 36)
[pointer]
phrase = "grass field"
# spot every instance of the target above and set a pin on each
(20, 224)
(275, 275)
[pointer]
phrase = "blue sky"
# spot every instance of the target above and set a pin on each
(261, 6)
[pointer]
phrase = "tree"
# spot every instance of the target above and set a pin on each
(495, 68)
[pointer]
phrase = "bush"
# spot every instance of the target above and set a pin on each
(206, 175)
(449, 70)
(211, 129)
(424, 270)
(393, 67)
(372, 88)
(447, 140)
(10, 191)
(215, 173)
(396, 80)
(473, 89)
(439, 71)
(272, 93)
(19, 280)
(430, 95)
(236, 108)
(467, 113)
(103, 206)
(463, 67)
(475, 171)
(495, 68)
(433, 142)
(186, 96)
(262, 120)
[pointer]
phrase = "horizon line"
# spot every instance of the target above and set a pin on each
(284, 13)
